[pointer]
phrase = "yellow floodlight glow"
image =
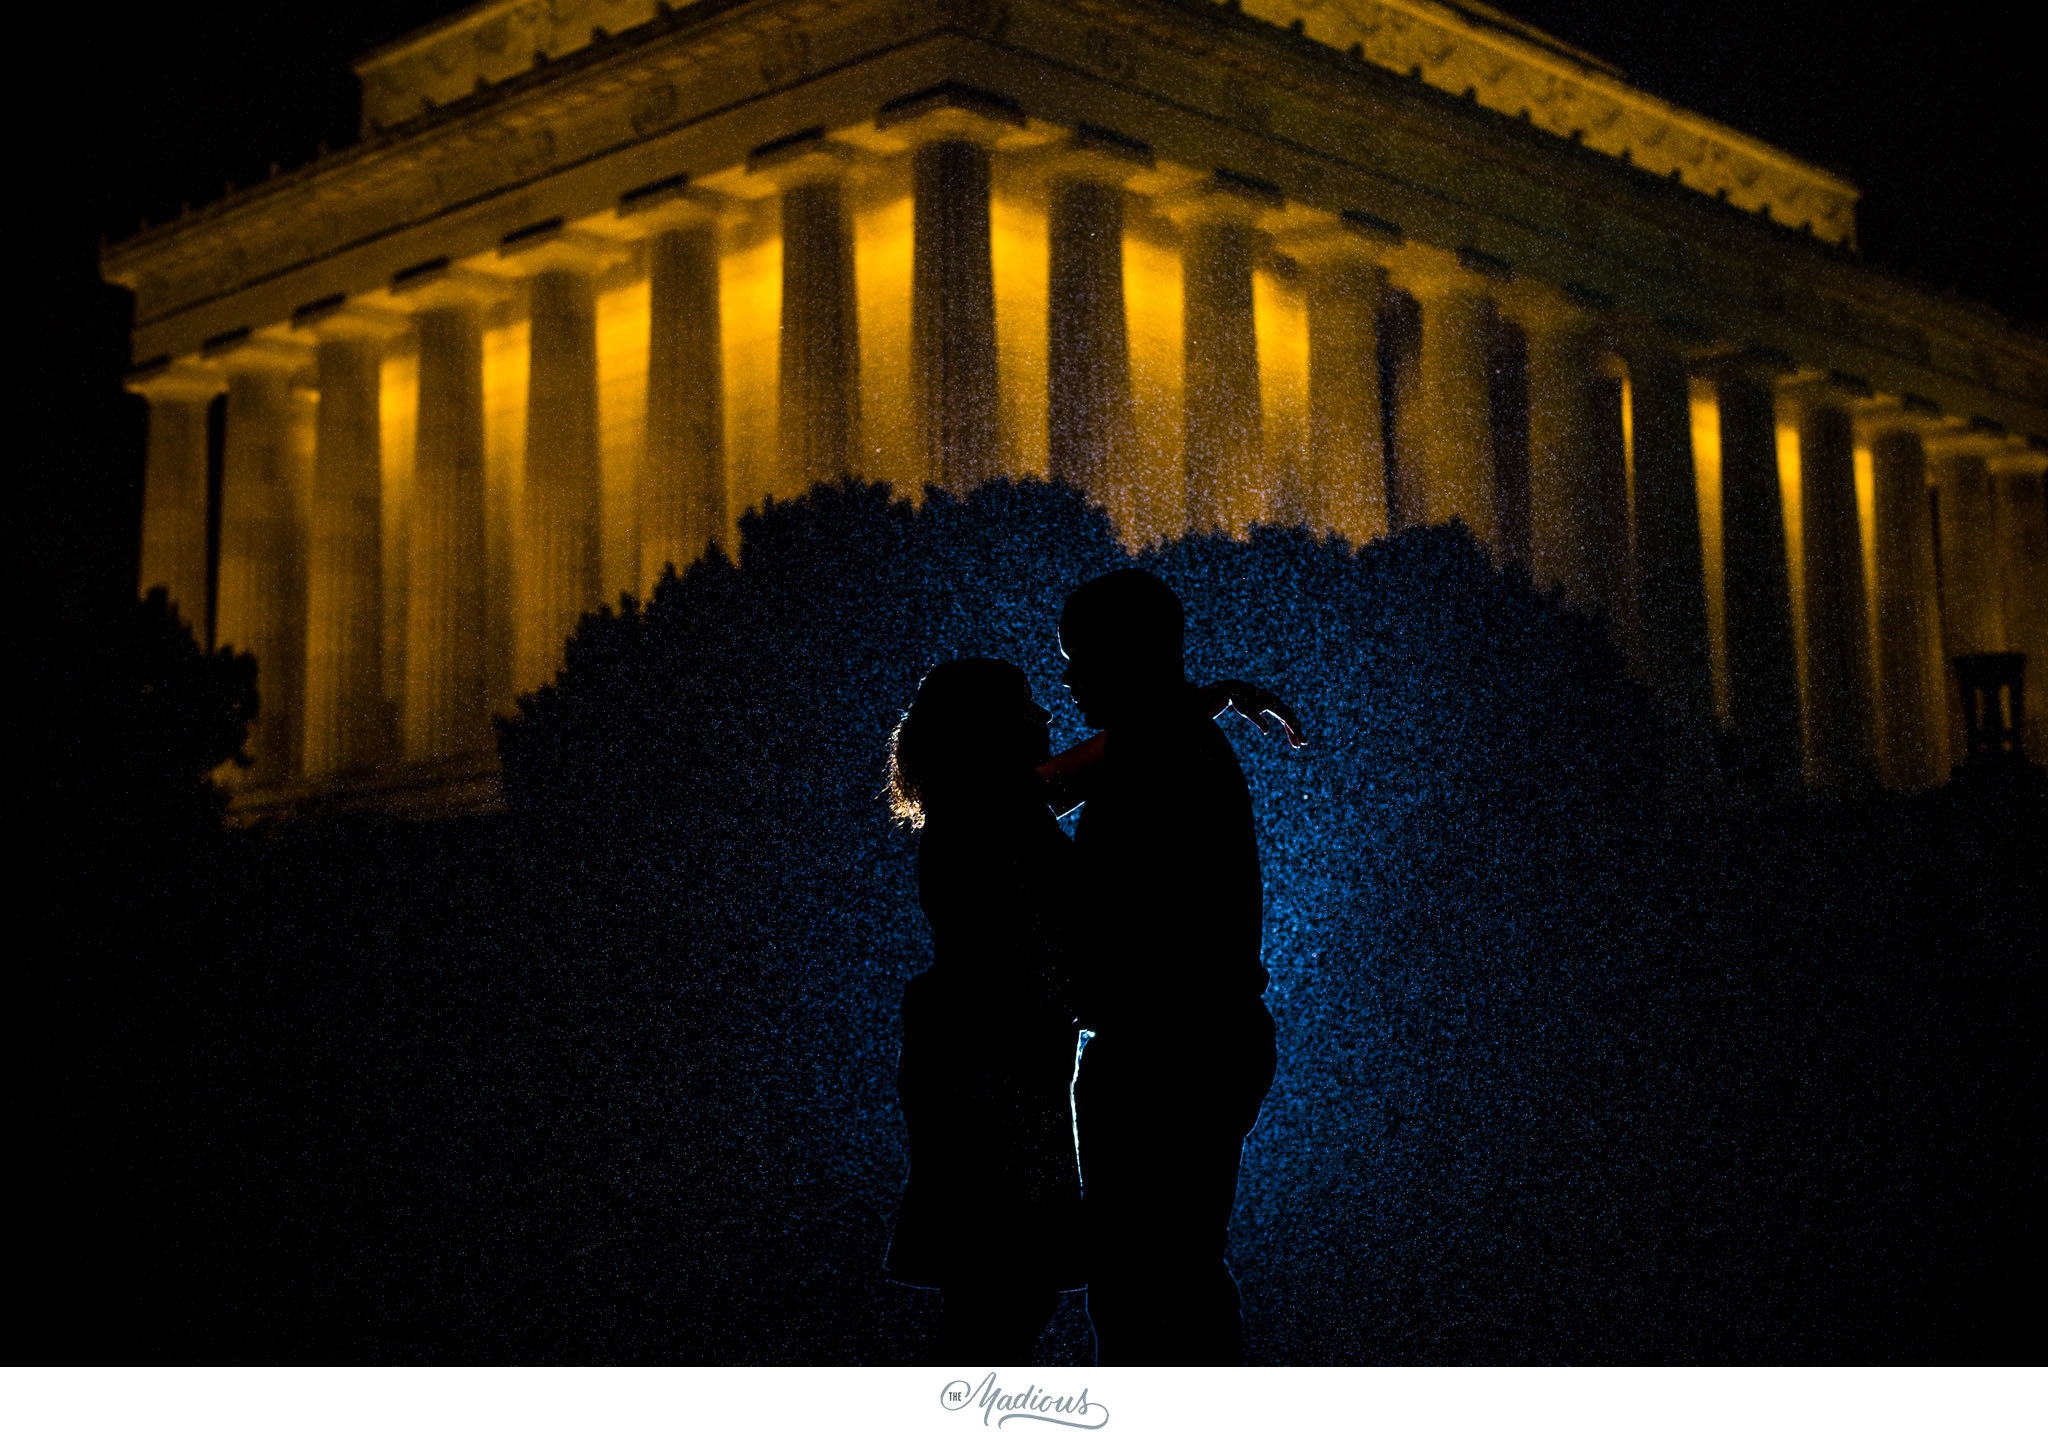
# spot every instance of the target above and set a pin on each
(1628, 462)
(1020, 247)
(1155, 506)
(1706, 468)
(750, 283)
(624, 328)
(1795, 557)
(398, 407)
(1280, 326)
(1866, 534)
(883, 232)
(508, 359)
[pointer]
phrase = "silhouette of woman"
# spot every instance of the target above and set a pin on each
(991, 1215)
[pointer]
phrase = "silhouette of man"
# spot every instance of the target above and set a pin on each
(1183, 1051)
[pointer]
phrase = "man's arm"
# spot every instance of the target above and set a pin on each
(1069, 775)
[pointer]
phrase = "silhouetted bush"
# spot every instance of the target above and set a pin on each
(1572, 1069)
(139, 722)
(730, 733)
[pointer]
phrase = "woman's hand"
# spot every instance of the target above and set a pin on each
(1256, 704)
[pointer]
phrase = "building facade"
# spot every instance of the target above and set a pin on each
(600, 275)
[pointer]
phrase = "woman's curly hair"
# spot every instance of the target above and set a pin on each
(941, 742)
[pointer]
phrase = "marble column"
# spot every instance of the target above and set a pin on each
(1612, 426)
(1973, 608)
(1451, 418)
(445, 706)
(174, 497)
(1347, 469)
(953, 312)
(1841, 754)
(1564, 490)
(1763, 659)
(1911, 712)
(682, 500)
(1088, 377)
(2023, 579)
(347, 726)
(263, 519)
(1223, 422)
(1670, 579)
(557, 575)
(819, 407)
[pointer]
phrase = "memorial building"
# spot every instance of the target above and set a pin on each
(601, 275)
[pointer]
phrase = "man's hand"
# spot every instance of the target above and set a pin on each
(1257, 705)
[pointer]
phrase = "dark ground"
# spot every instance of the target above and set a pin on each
(1573, 1069)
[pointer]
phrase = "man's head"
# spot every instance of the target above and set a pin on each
(1121, 635)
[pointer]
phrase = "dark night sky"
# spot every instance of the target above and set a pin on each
(1941, 127)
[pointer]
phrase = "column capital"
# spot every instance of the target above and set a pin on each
(552, 246)
(273, 350)
(958, 112)
(340, 316)
(1955, 438)
(175, 380)
(1430, 272)
(1545, 308)
(810, 156)
(439, 284)
(2015, 461)
(1100, 156)
(672, 203)
(1316, 237)
(1224, 197)
(1636, 336)
(1808, 388)
(1897, 412)
(1755, 362)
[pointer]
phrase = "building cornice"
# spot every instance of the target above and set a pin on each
(694, 89)
(1516, 71)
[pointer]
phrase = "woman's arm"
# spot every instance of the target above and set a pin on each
(1069, 775)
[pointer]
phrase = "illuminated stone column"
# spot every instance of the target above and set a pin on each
(1088, 377)
(683, 499)
(1911, 714)
(174, 484)
(557, 575)
(1451, 417)
(262, 586)
(953, 313)
(1763, 659)
(1340, 259)
(1972, 606)
(445, 707)
(819, 418)
(952, 131)
(1841, 754)
(1670, 580)
(1224, 426)
(1565, 510)
(346, 717)
(2023, 574)
(1966, 536)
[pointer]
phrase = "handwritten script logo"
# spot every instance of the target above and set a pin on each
(1033, 1404)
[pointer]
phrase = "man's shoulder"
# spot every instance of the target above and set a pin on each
(1173, 773)
(1177, 744)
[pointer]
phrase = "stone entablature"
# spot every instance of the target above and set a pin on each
(711, 80)
(484, 45)
(1515, 70)
(1506, 66)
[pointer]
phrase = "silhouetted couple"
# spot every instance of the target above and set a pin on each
(1144, 929)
